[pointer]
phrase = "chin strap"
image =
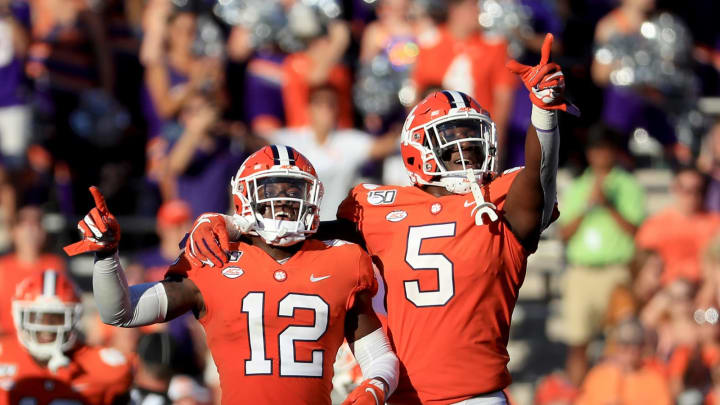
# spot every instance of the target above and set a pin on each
(481, 206)
(272, 231)
(57, 360)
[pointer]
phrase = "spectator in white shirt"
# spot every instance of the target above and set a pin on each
(336, 154)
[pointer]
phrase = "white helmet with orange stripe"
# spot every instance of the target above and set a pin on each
(446, 135)
(278, 192)
(46, 309)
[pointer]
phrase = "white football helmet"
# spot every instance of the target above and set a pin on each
(277, 190)
(449, 123)
(46, 309)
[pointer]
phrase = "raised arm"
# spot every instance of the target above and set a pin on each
(531, 199)
(120, 304)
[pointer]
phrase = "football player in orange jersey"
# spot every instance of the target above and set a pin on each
(453, 248)
(46, 364)
(279, 309)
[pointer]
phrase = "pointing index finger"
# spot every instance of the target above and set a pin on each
(545, 51)
(99, 200)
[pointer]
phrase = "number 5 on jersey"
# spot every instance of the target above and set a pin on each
(253, 304)
(426, 261)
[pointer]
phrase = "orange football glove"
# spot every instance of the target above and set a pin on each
(545, 81)
(208, 241)
(370, 392)
(99, 229)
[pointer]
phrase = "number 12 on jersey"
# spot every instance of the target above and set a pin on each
(253, 304)
(427, 261)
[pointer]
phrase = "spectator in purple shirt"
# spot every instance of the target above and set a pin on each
(168, 71)
(263, 92)
(201, 161)
(14, 113)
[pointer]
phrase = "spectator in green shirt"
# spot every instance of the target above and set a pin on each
(601, 210)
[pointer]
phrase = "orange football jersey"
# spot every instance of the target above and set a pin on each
(95, 376)
(274, 329)
(451, 287)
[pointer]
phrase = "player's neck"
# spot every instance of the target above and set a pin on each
(436, 191)
(276, 252)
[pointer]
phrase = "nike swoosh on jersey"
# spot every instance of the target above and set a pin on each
(314, 279)
(469, 203)
(79, 386)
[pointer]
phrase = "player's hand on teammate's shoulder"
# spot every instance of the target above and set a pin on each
(99, 229)
(545, 81)
(208, 242)
(370, 392)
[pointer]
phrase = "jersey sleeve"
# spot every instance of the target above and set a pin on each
(366, 281)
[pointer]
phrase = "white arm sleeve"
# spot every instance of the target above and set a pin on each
(546, 126)
(377, 359)
(118, 305)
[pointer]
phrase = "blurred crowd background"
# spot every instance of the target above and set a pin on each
(158, 102)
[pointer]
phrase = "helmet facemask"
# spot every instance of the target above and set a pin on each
(283, 204)
(46, 327)
(457, 145)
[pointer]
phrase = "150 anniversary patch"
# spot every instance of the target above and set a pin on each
(381, 197)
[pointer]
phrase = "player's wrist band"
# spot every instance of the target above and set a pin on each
(543, 120)
(376, 359)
